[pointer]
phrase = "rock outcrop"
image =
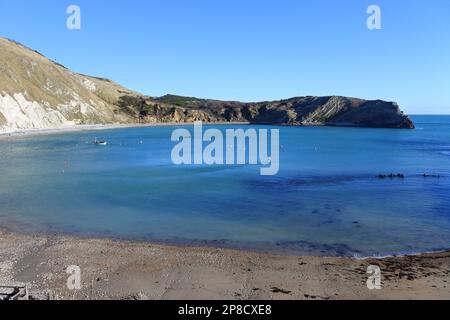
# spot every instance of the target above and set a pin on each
(305, 111)
(38, 93)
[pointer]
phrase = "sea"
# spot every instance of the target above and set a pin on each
(327, 198)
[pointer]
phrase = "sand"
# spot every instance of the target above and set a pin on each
(112, 269)
(61, 130)
(28, 133)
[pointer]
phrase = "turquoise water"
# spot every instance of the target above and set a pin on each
(325, 200)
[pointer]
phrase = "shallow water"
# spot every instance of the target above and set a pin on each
(325, 200)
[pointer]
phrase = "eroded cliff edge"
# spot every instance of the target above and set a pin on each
(37, 93)
(300, 111)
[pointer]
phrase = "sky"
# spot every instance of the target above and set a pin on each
(249, 50)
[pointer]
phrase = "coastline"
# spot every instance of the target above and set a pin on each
(119, 269)
(28, 133)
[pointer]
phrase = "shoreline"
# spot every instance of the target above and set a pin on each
(29, 133)
(123, 269)
(262, 248)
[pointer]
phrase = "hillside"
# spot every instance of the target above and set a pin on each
(36, 92)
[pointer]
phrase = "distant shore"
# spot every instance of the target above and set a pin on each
(96, 127)
(113, 269)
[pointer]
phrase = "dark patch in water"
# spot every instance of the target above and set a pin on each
(286, 184)
(325, 223)
(340, 249)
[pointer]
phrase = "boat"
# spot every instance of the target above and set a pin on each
(100, 142)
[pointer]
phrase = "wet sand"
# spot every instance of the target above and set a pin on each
(112, 269)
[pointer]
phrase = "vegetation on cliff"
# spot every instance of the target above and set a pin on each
(36, 92)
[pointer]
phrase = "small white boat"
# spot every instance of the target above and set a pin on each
(100, 142)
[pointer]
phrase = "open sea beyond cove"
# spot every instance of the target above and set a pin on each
(326, 199)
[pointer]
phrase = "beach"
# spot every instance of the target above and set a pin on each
(28, 133)
(305, 236)
(113, 269)
(183, 151)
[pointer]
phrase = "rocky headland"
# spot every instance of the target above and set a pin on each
(37, 93)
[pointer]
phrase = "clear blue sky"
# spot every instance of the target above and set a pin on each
(249, 49)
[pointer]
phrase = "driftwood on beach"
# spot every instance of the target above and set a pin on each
(14, 293)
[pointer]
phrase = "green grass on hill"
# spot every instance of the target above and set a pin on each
(180, 100)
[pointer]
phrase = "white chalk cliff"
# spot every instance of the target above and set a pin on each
(36, 93)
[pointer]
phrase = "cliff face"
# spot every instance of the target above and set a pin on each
(38, 93)
(306, 111)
